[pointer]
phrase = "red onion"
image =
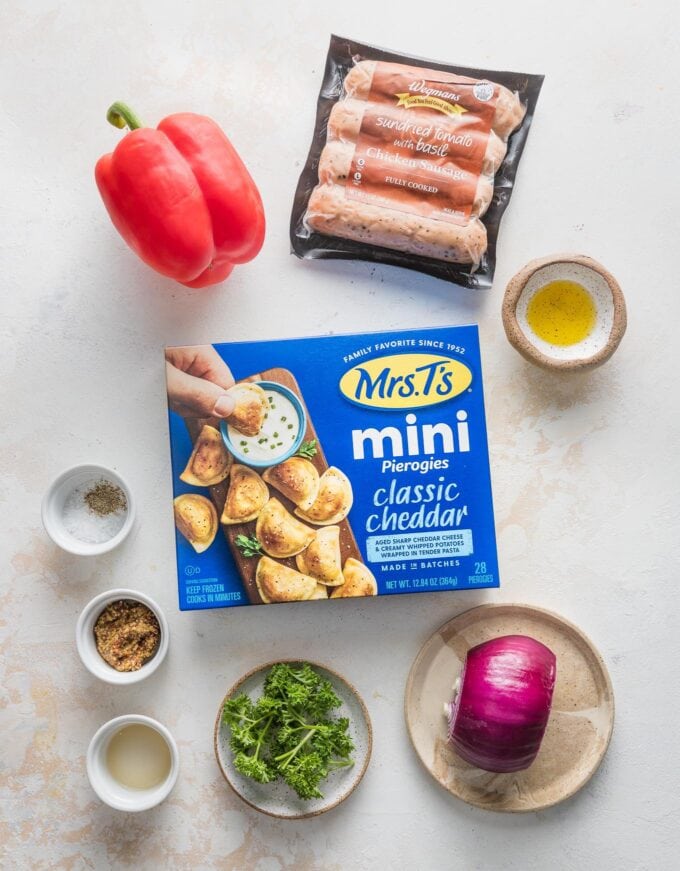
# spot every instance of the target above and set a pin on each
(498, 716)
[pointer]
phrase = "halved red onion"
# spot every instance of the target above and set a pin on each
(499, 713)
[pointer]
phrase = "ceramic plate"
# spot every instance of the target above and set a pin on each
(580, 725)
(278, 799)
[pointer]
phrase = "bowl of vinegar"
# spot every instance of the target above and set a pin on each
(132, 763)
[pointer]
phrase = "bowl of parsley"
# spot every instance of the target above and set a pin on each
(293, 739)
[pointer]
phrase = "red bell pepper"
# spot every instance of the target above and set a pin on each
(181, 197)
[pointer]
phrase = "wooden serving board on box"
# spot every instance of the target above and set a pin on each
(246, 565)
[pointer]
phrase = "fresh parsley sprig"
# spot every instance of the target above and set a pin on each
(307, 449)
(248, 545)
(288, 732)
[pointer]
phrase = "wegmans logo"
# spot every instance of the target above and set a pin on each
(421, 95)
(398, 381)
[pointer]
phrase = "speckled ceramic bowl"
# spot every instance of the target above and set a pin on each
(610, 324)
(579, 728)
(278, 799)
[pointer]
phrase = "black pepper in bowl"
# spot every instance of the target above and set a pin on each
(105, 498)
(127, 634)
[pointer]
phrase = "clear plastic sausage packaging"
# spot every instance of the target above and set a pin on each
(412, 162)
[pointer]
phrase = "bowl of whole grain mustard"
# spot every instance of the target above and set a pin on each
(122, 636)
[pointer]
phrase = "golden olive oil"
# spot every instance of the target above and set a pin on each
(138, 757)
(562, 313)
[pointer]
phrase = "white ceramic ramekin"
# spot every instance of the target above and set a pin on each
(87, 647)
(109, 790)
(53, 509)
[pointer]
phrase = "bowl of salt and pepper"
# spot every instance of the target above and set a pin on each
(88, 510)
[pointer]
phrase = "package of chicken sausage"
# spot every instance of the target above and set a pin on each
(412, 162)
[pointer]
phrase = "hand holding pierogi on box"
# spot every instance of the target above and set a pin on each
(291, 542)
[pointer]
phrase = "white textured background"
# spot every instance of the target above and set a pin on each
(585, 469)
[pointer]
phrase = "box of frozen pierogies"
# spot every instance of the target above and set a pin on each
(330, 467)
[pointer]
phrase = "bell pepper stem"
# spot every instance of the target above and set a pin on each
(121, 115)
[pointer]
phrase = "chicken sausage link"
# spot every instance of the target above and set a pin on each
(345, 119)
(509, 110)
(335, 164)
(332, 213)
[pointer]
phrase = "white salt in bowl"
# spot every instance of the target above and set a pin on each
(58, 518)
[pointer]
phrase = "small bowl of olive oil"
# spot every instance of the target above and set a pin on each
(132, 763)
(564, 312)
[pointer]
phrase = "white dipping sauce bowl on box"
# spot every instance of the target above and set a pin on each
(252, 450)
(108, 789)
(54, 509)
(87, 647)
